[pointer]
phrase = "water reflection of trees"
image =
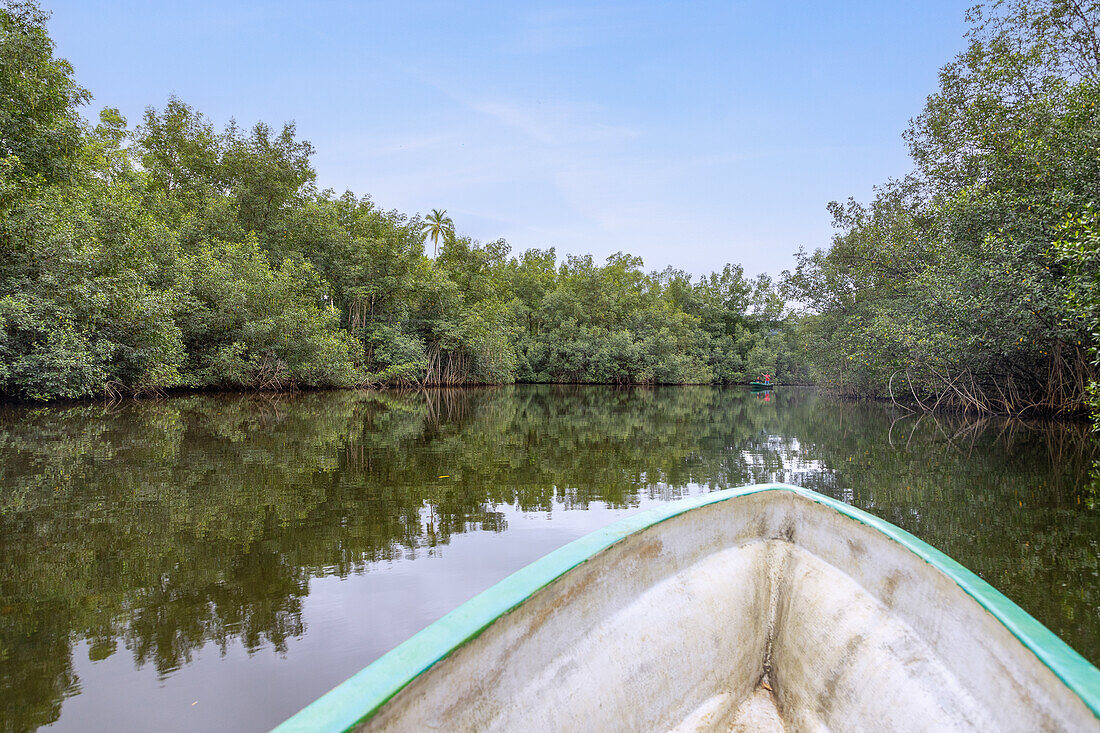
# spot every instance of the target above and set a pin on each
(1008, 499)
(164, 526)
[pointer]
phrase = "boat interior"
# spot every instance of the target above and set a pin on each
(767, 612)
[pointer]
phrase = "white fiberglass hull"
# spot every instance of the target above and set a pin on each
(766, 608)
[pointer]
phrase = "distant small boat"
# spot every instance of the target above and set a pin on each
(762, 385)
(768, 608)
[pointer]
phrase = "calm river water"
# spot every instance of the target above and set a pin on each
(217, 562)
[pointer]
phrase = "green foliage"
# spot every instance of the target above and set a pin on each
(265, 174)
(609, 324)
(119, 281)
(84, 308)
(945, 289)
(39, 126)
(438, 225)
(247, 324)
(177, 255)
(1079, 251)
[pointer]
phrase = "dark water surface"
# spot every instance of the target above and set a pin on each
(218, 562)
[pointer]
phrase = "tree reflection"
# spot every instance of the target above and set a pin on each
(164, 526)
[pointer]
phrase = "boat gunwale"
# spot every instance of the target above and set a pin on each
(358, 698)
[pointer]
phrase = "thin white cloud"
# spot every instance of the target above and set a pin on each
(555, 123)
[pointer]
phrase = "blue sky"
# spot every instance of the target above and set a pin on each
(690, 133)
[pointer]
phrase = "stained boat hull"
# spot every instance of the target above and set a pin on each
(744, 609)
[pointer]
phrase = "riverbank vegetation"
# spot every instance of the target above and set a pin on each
(176, 254)
(972, 283)
(135, 259)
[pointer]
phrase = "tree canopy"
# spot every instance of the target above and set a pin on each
(970, 283)
(176, 254)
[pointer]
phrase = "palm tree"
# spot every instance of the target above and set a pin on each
(435, 225)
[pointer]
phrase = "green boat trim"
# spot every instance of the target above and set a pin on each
(361, 696)
(767, 385)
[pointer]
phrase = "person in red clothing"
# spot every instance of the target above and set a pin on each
(767, 379)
